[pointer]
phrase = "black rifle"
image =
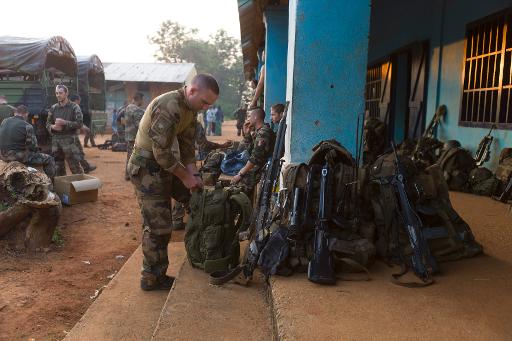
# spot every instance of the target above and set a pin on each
(483, 153)
(295, 215)
(507, 192)
(431, 129)
(320, 267)
(422, 262)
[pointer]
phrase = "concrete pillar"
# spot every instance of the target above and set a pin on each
(276, 49)
(327, 57)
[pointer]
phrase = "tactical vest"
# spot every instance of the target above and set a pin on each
(13, 134)
(216, 217)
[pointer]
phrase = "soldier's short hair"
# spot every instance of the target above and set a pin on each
(21, 109)
(260, 113)
(206, 81)
(138, 96)
(278, 108)
(62, 87)
(75, 97)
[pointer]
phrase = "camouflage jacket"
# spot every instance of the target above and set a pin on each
(263, 145)
(167, 130)
(17, 137)
(70, 112)
(132, 116)
(202, 142)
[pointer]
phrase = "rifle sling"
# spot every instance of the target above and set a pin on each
(364, 275)
(222, 277)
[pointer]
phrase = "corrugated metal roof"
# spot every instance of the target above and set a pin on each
(149, 72)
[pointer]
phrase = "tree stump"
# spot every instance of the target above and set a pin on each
(29, 210)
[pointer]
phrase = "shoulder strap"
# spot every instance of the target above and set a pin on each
(244, 203)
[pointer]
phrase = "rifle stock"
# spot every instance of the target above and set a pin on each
(483, 152)
(320, 267)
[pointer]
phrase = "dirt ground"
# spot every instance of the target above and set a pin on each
(44, 294)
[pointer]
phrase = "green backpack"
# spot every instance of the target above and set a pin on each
(456, 164)
(216, 217)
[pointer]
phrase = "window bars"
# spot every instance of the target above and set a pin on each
(487, 82)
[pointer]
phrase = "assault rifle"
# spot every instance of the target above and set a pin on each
(422, 262)
(431, 129)
(483, 152)
(320, 267)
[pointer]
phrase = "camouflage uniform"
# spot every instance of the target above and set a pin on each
(132, 116)
(164, 139)
(18, 143)
(64, 142)
(6, 111)
(260, 150)
(204, 147)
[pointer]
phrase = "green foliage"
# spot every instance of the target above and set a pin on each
(220, 56)
(57, 237)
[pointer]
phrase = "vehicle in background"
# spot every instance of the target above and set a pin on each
(92, 90)
(30, 68)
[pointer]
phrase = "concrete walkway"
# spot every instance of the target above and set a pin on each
(123, 311)
(199, 311)
(471, 299)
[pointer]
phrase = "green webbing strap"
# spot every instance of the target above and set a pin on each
(244, 203)
(395, 279)
(364, 274)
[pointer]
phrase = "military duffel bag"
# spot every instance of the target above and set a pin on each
(216, 217)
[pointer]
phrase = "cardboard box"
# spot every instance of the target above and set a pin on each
(76, 188)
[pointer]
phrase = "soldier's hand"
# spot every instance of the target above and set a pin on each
(247, 127)
(193, 182)
(227, 144)
(236, 179)
(57, 127)
(60, 122)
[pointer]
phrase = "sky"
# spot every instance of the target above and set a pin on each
(116, 31)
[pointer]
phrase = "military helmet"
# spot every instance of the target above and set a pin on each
(451, 144)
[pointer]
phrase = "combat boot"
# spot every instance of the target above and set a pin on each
(149, 282)
(91, 168)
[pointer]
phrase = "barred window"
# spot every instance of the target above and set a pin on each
(487, 86)
(373, 90)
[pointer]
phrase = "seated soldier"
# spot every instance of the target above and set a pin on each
(18, 143)
(260, 150)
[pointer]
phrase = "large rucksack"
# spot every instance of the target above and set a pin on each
(504, 170)
(216, 217)
(456, 164)
(448, 235)
(482, 181)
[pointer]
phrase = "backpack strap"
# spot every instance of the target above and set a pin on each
(241, 200)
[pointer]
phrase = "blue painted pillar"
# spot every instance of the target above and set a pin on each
(276, 49)
(327, 57)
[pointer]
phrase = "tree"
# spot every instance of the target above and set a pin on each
(220, 56)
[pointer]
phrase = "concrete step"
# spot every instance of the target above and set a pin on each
(196, 310)
(123, 311)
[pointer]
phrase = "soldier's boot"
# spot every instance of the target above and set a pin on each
(87, 166)
(149, 282)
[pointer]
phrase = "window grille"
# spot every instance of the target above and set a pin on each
(487, 82)
(373, 90)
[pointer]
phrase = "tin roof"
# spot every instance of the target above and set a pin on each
(150, 72)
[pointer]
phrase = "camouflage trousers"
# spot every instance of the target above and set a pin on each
(154, 189)
(64, 148)
(129, 151)
(32, 159)
(83, 162)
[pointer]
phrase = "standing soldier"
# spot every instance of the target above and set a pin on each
(259, 151)
(240, 116)
(162, 166)
(63, 122)
(18, 143)
(83, 162)
(132, 116)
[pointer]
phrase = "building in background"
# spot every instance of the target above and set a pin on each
(151, 79)
(398, 60)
